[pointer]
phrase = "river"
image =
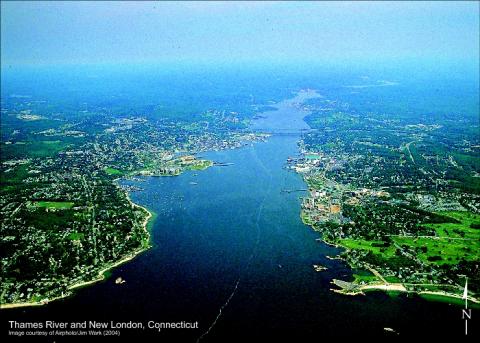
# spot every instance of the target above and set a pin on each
(230, 251)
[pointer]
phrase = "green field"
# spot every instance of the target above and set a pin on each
(113, 171)
(32, 149)
(76, 236)
(373, 246)
(446, 250)
(200, 165)
(364, 275)
(392, 279)
(452, 243)
(458, 230)
(59, 205)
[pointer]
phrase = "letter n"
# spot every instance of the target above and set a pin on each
(467, 314)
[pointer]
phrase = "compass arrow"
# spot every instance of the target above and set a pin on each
(466, 313)
(465, 292)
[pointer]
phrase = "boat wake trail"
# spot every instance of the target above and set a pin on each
(220, 311)
(252, 255)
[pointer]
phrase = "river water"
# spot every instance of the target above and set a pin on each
(231, 252)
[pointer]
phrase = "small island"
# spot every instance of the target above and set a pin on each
(319, 268)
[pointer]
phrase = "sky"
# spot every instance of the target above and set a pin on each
(52, 33)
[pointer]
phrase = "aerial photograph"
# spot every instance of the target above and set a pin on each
(251, 171)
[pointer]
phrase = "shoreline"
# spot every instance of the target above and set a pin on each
(399, 287)
(386, 287)
(101, 273)
(396, 287)
(145, 244)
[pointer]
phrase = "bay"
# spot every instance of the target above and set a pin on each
(231, 252)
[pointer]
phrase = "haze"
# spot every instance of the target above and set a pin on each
(44, 33)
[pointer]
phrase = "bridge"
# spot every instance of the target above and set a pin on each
(282, 132)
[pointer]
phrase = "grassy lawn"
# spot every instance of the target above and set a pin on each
(200, 165)
(462, 230)
(455, 240)
(76, 236)
(361, 244)
(392, 279)
(449, 251)
(59, 205)
(34, 149)
(364, 275)
(113, 171)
